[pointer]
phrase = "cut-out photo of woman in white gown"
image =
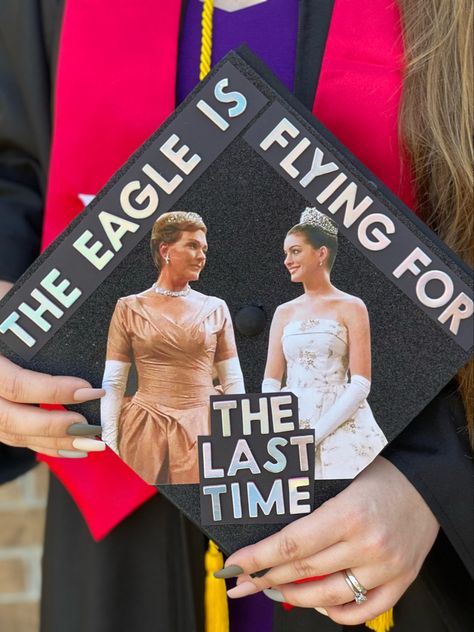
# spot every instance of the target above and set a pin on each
(320, 345)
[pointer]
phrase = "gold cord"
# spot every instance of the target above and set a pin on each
(216, 608)
(206, 38)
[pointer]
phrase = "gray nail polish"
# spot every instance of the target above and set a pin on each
(229, 571)
(72, 454)
(260, 573)
(274, 595)
(81, 430)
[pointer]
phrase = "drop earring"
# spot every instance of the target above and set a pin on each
(167, 259)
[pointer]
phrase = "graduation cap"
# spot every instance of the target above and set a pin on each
(249, 158)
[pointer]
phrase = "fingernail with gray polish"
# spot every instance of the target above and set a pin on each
(72, 454)
(275, 595)
(261, 573)
(81, 430)
(229, 571)
(87, 394)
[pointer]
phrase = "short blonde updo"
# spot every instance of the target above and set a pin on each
(168, 229)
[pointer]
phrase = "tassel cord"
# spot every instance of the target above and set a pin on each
(215, 592)
(206, 38)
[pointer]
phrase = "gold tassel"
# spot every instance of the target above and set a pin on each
(206, 38)
(382, 623)
(215, 596)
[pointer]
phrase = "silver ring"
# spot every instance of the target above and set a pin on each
(356, 587)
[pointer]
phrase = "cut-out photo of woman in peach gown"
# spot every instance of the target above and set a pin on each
(178, 340)
(320, 342)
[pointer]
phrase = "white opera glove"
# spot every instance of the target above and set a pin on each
(230, 376)
(343, 408)
(271, 385)
(114, 383)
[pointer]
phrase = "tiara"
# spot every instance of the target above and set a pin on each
(315, 218)
(180, 217)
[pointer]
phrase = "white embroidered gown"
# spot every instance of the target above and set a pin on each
(316, 352)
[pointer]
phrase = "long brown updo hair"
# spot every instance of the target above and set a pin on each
(168, 229)
(437, 125)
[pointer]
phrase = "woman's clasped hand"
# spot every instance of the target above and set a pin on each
(60, 433)
(379, 527)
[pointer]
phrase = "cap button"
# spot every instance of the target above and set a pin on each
(250, 320)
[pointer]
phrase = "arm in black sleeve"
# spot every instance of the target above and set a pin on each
(27, 40)
(433, 452)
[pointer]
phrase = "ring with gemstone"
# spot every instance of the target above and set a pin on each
(355, 585)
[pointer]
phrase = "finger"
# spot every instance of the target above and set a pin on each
(330, 560)
(334, 558)
(298, 540)
(18, 421)
(379, 600)
(66, 454)
(333, 590)
(29, 387)
(84, 444)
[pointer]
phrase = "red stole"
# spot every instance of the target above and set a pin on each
(116, 84)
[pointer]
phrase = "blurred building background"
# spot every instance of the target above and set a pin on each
(22, 514)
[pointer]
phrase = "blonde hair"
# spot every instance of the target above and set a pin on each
(168, 229)
(437, 124)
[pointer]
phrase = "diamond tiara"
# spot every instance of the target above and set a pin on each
(315, 218)
(180, 217)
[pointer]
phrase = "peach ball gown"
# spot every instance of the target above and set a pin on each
(174, 343)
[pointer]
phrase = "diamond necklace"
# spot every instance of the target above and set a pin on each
(164, 292)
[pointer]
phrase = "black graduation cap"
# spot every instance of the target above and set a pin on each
(260, 163)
